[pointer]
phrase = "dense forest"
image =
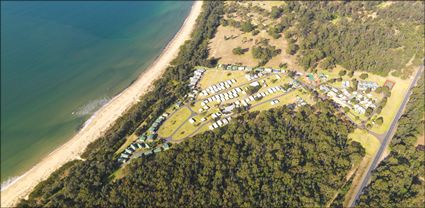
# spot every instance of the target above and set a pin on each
(399, 181)
(275, 158)
(369, 36)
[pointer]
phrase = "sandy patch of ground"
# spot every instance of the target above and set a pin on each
(221, 48)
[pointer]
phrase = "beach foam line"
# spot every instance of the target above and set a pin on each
(101, 120)
(10, 181)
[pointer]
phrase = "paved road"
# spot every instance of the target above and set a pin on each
(387, 139)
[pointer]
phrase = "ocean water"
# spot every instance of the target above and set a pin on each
(61, 61)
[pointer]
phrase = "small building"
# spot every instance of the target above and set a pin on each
(152, 129)
(229, 109)
(310, 77)
(149, 152)
(364, 85)
(225, 122)
(128, 151)
(323, 77)
(143, 137)
(220, 123)
(156, 150)
(254, 84)
(152, 136)
(166, 146)
(345, 84)
(259, 69)
(192, 120)
(122, 160)
(325, 89)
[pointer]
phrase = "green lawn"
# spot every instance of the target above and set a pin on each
(392, 106)
(185, 130)
(173, 122)
(368, 141)
(284, 100)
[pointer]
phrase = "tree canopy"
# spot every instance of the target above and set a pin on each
(363, 36)
(275, 158)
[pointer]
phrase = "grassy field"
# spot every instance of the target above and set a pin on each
(214, 76)
(284, 100)
(185, 131)
(173, 122)
(368, 141)
(267, 4)
(393, 104)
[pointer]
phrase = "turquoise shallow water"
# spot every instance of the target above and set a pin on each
(60, 61)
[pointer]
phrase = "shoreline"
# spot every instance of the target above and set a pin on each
(102, 119)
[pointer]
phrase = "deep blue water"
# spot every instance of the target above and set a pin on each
(60, 58)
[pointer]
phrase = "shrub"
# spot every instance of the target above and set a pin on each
(238, 51)
(379, 120)
(247, 27)
(364, 76)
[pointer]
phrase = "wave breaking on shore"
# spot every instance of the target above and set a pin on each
(10, 181)
(91, 107)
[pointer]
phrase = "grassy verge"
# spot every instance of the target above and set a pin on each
(340, 198)
(368, 141)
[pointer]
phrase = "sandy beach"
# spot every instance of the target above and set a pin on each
(102, 119)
